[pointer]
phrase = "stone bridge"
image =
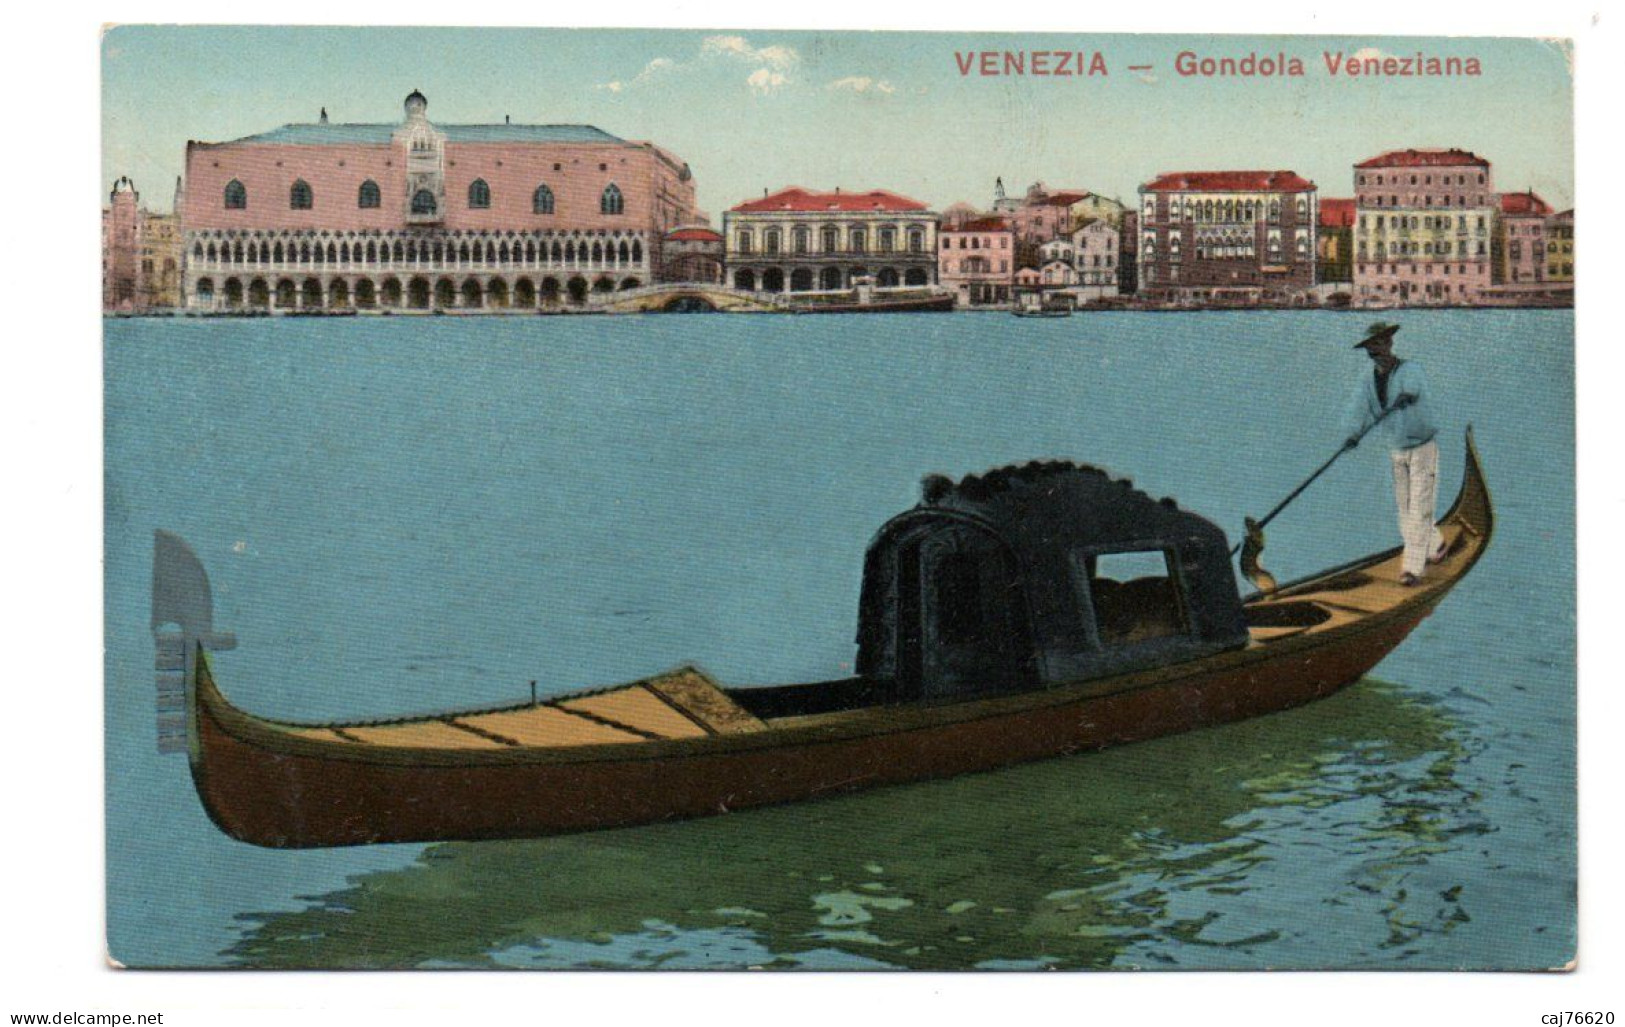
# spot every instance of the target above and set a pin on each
(685, 297)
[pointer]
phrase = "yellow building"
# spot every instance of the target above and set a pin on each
(159, 255)
(1560, 247)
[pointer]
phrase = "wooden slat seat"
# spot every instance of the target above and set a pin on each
(419, 734)
(638, 708)
(699, 698)
(549, 726)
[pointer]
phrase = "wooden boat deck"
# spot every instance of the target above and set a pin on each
(682, 704)
(1351, 595)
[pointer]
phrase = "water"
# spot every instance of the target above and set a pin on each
(419, 514)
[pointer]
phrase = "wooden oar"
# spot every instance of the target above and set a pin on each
(1253, 544)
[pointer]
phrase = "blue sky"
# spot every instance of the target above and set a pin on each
(759, 109)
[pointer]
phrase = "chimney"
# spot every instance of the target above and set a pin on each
(507, 119)
(324, 116)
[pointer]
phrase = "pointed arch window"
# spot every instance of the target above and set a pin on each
(236, 196)
(542, 201)
(300, 197)
(479, 195)
(611, 202)
(369, 197)
(423, 202)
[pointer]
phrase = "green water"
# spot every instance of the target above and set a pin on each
(1079, 862)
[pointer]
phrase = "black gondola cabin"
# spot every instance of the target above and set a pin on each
(1035, 575)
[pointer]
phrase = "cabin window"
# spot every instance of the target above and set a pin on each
(1134, 595)
(957, 599)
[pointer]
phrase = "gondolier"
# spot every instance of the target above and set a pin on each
(1393, 401)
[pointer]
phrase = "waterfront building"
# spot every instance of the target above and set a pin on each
(141, 254)
(422, 215)
(1096, 250)
(1081, 268)
(802, 240)
(1519, 243)
(1227, 236)
(692, 253)
(976, 261)
(1560, 247)
(1334, 244)
(957, 215)
(1057, 269)
(1043, 215)
(1128, 254)
(1423, 225)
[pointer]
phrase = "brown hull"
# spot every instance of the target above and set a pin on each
(933, 303)
(261, 786)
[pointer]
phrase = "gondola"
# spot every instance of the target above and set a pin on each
(989, 634)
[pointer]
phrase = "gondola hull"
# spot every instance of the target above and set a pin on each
(266, 783)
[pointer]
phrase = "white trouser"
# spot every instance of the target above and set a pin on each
(1416, 487)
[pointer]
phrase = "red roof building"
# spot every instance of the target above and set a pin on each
(1228, 182)
(1227, 236)
(1451, 158)
(1425, 223)
(693, 254)
(1065, 199)
(1519, 248)
(694, 235)
(981, 225)
(796, 199)
(977, 261)
(1336, 212)
(1334, 243)
(1043, 216)
(803, 240)
(1524, 204)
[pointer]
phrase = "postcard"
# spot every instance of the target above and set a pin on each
(806, 500)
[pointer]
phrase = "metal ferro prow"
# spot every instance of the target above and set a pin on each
(182, 620)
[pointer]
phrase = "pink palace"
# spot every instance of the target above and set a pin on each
(418, 215)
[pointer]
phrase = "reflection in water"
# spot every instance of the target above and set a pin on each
(1144, 855)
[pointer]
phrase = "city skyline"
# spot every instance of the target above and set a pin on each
(755, 110)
